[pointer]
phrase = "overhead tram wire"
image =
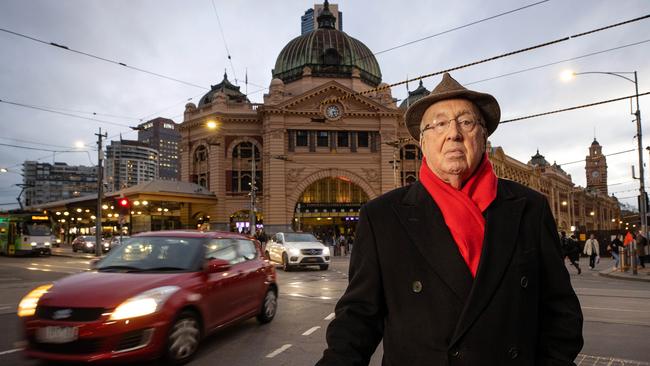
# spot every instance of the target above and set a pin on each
(493, 58)
(573, 108)
(63, 47)
(31, 142)
(214, 7)
(454, 29)
(61, 113)
(614, 153)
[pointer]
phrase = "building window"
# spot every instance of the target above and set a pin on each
(322, 139)
(302, 138)
(362, 139)
(242, 166)
(342, 139)
(410, 160)
(201, 154)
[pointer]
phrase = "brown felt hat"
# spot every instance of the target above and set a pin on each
(451, 89)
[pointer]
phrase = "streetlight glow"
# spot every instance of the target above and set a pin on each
(567, 75)
(211, 125)
(79, 144)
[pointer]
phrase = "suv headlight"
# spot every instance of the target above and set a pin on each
(90, 244)
(146, 303)
(294, 251)
(326, 251)
(27, 306)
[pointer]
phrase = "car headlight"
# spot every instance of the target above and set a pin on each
(89, 245)
(33, 243)
(47, 243)
(146, 303)
(58, 241)
(27, 306)
(294, 251)
(326, 251)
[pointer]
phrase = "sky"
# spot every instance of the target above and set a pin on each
(182, 40)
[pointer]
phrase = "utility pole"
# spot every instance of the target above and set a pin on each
(642, 200)
(100, 192)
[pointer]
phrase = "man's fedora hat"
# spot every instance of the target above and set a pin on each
(451, 89)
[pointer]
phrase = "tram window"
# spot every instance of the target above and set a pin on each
(362, 138)
(302, 138)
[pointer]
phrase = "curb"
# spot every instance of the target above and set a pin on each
(70, 255)
(638, 278)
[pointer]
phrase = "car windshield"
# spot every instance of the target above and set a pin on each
(89, 238)
(294, 237)
(37, 229)
(153, 254)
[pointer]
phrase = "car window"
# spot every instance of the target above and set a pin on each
(232, 250)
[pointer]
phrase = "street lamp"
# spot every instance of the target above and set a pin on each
(569, 75)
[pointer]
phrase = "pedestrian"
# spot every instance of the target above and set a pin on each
(592, 250)
(415, 281)
(614, 248)
(571, 250)
(641, 243)
(341, 243)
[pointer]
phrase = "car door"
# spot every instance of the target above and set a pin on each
(251, 276)
(275, 253)
(221, 288)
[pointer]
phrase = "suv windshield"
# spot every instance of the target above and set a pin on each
(295, 237)
(153, 254)
(89, 238)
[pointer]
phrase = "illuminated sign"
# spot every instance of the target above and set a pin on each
(36, 218)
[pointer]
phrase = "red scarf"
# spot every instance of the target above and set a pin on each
(462, 209)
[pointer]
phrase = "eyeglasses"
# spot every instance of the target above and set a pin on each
(467, 124)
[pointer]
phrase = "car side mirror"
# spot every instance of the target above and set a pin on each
(217, 265)
(93, 263)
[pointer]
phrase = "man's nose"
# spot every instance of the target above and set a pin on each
(453, 132)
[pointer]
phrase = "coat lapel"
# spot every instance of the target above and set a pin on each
(426, 227)
(503, 218)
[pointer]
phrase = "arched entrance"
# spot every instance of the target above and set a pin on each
(329, 206)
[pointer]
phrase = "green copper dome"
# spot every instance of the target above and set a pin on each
(328, 52)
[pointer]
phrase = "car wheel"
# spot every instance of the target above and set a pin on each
(285, 263)
(324, 267)
(269, 307)
(74, 249)
(183, 339)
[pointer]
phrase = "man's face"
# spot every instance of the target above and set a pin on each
(591, 236)
(453, 150)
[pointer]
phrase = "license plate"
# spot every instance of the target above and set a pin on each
(57, 334)
(311, 259)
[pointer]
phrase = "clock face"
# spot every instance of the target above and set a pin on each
(595, 174)
(333, 111)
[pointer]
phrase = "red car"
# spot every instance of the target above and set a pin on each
(154, 296)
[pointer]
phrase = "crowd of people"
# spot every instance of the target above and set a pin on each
(572, 250)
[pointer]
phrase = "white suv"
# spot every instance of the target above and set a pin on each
(297, 250)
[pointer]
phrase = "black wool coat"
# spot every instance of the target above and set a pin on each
(410, 287)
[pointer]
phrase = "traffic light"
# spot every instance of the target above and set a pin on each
(124, 203)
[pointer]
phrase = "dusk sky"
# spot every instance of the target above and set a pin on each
(182, 40)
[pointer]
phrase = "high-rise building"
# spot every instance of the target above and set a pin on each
(47, 182)
(129, 163)
(162, 134)
(309, 21)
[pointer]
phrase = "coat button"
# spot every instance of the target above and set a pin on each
(417, 287)
(513, 352)
(455, 353)
(524, 282)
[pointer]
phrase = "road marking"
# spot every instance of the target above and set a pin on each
(311, 330)
(278, 351)
(611, 309)
(330, 317)
(11, 351)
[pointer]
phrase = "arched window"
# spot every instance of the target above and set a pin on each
(242, 165)
(410, 157)
(200, 171)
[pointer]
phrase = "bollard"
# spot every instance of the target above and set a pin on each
(624, 259)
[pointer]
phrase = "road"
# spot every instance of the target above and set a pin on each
(617, 316)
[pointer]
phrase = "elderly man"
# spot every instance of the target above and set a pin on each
(460, 268)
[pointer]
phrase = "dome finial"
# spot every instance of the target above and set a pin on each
(225, 74)
(326, 19)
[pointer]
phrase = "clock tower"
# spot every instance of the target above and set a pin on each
(596, 169)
